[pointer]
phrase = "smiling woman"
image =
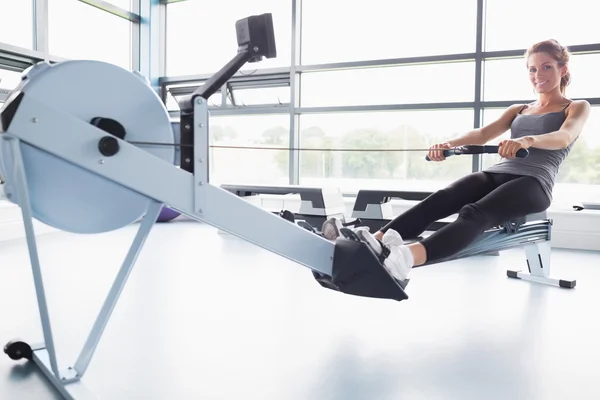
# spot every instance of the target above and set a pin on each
(548, 127)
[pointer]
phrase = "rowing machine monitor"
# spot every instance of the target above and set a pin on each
(256, 41)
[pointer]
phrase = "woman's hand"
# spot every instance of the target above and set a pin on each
(508, 148)
(436, 152)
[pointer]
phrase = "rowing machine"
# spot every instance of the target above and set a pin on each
(66, 155)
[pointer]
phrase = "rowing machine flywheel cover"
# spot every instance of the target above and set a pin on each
(69, 197)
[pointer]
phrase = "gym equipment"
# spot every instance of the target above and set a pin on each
(587, 206)
(316, 204)
(532, 232)
(374, 207)
(478, 149)
(167, 214)
(67, 161)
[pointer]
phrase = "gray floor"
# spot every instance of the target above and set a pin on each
(207, 316)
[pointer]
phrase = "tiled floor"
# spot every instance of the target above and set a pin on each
(208, 316)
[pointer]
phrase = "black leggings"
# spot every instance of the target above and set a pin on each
(482, 200)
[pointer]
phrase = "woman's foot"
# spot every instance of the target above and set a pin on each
(331, 228)
(399, 261)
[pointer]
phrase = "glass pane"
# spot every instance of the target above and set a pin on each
(579, 176)
(202, 40)
(249, 166)
(9, 79)
(173, 105)
(124, 4)
(79, 31)
(392, 85)
(261, 96)
(244, 97)
(509, 79)
(16, 23)
(554, 19)
(334, 31)
(379, 134)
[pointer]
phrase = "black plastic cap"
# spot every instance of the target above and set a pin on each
(567, 284)
(512, 274)
(108, 146)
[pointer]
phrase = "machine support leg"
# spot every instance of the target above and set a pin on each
(68, 382)
(538, 263)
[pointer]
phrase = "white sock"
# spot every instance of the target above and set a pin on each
(408, 256)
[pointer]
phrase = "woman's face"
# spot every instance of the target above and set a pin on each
(544, 72)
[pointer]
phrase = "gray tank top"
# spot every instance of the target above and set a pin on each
(540, 164)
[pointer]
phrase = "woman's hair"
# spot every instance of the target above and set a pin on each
(559, 52)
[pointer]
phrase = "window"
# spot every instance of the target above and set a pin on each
(506, 80)
(489, 116)
(579, 176)
(202, 39)
(261, 96)
(337, 30)
(16, 23)
(381, 131)
(172, 99)
(249, 166)
(555, 19)
(509, 79)
(124, 4)
(9, 79)
(242, 97)
(79, 31)
(427, 83)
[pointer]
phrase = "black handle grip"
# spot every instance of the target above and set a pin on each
(476, 149)
(447, 153)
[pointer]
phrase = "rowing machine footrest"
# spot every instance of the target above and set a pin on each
(357, 271)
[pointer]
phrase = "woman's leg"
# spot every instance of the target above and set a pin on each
(413, 222)
(440, 204)
(515, 197)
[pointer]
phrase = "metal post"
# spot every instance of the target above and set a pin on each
(477, 109)
(294, 162)
(40, 27)
(152, 40)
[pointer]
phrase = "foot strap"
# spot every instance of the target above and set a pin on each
(385, 251)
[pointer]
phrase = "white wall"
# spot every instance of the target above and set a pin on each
(571, 229)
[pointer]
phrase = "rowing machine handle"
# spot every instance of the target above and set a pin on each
(476, 149)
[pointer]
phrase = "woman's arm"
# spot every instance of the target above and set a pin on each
(490, 131)
(478, 136)
(577, 115)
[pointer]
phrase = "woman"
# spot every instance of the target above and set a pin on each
(513, 187)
